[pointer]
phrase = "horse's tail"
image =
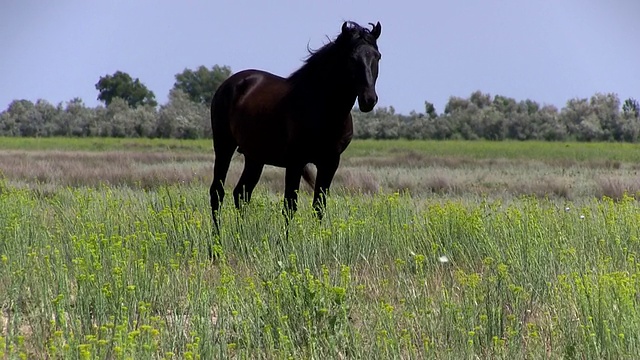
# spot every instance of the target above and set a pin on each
(220, 105)
(309, 176)
(224, 145)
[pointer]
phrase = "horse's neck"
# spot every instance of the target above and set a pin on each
(332, 94)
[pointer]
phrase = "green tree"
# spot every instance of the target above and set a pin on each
(201, 84)
(548, 125)
(121, 85)
(22, 120)
(480, 100)
(50, 116)
(430, 110)
(631, 107)
(606, 108)
(181, 118)
(118, 122)
(74, 119)
(573, 114)
(456, 104)
(505, 105)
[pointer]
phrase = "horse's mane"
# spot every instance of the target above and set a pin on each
(328, 53)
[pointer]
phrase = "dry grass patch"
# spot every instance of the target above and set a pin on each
(547, 186)
(393, 171)
(410, 159)
(439, 183)
(616, 187)
(357, 181)
(83, 168)
(604, 164)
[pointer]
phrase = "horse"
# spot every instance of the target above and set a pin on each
(295, 121)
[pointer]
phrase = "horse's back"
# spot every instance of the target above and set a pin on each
(250, 91)
(267, 119)
(249, 106)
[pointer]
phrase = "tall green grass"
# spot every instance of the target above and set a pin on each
(527, 150)
(104, 144)
(530, 150)
(121, 273)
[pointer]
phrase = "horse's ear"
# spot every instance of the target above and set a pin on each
(345, 27)
(377, 29)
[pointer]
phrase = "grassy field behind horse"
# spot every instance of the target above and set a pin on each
(497, 250)
(571, 171)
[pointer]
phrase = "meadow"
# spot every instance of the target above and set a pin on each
(444, 250)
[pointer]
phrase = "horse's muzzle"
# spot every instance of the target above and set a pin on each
(367, 101)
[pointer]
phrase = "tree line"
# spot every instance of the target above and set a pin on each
(130, 110)
(481, 116)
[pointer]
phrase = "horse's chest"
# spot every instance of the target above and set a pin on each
(320, 138)
(318, 130)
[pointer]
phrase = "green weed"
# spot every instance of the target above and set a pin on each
(116, 272)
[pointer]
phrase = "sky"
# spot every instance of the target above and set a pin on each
(545, 50)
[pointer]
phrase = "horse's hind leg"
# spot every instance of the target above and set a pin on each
(223, 153)
(248, 180)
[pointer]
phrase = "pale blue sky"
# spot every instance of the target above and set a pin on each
(546, 50)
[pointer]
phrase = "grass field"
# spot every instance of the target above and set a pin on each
(492, 250)
(571, 171)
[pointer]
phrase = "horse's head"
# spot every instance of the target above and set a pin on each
(363, 61)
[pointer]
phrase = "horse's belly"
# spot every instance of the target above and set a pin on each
(263, 149)
(270, 142)
(268, 157)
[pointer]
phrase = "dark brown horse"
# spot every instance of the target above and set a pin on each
(295, 121)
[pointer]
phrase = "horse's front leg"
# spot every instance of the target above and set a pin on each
(326, 171)
(292, 177)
